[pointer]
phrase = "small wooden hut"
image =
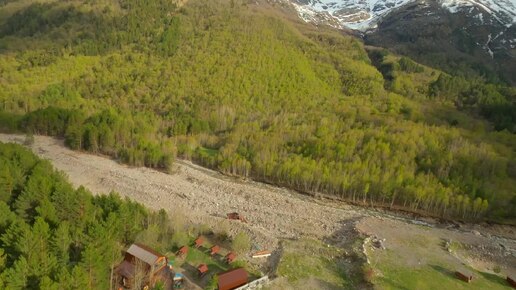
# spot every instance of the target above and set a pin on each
(183, 251)
(464, 275)
(214, 250)
(236, 216)
(202, 269)
(230, 257)
(198, 242)
(261, 254)
(511, 279)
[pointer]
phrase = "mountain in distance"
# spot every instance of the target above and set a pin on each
(443, 33)
(364, 15)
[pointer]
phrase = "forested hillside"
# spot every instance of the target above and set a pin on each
(55, 237)
(237, 87)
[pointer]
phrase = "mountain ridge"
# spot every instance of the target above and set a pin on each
(364, 15)
(475, 38)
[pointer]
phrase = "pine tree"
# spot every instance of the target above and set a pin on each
(16, 277)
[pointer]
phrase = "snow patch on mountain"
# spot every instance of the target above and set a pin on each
(365, 14)
(504, 11)
(354, 14)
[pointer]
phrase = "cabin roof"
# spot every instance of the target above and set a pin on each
(231, 256)
(465, 273)
(144, 253)
(233, 278)
(203, 268)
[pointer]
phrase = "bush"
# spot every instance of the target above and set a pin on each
(201, 229)
(368, 272)
(213, 283)
(221, 230)
(241, 243)
(179, 238)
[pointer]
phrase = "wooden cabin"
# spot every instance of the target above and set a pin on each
(139, 258)
(262, 254)
(202, 269)
(511, 279)
(198, 242)
(214, 250)
(236, 216)
(183, 251)
(232, 279)
(464, 275)
(230, 257)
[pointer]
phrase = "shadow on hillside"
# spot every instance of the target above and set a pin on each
(58, 25)
(494, 278)
(447, 272)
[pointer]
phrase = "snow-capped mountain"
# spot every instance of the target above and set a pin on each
(365, 14)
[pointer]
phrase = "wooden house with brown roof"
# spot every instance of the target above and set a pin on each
(511, 279)
(464, 275)
(141, 261)
(214, 250)
(198, 242)
(183, 251)
(202, 269)
(232, 279)
(230, 257)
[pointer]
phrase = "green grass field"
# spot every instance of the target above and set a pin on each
(433, 274)
(309, 262)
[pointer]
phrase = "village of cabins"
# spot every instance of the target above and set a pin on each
(145, 268)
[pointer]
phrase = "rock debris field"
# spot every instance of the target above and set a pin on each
(205, 197)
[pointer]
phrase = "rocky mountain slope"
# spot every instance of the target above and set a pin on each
(480, 33)
(366, 14)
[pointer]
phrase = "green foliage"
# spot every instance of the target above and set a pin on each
(213, 284)
(55, 237)
(250, 94)
(241, 243)
(407, 65)
(306, 259)
(180, 238)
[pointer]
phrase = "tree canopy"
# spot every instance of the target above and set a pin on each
(239, 88)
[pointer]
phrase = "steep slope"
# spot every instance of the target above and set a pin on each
(365, 14)
(469, 40)
(471, 36)
(240, 88)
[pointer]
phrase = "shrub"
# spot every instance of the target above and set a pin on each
(241, 243)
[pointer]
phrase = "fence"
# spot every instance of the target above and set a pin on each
(256, 284)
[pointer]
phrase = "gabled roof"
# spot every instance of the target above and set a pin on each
(183, 250)
(199, 241)
(231, 256)
(203, 268)
(465, 272)
(232, 278)
(144, 253)
(215, 249)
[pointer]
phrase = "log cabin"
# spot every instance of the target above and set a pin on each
(142, 263)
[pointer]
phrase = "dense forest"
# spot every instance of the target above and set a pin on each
(55, 237)
(235, 86)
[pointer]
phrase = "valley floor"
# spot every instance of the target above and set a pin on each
(275, 215)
